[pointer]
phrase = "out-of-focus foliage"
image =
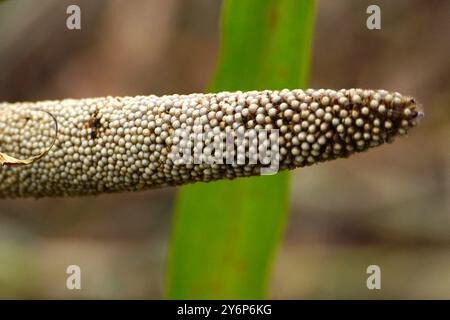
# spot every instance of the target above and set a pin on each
(387, 207)
(225, 233)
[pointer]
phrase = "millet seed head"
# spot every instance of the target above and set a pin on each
(115, 144)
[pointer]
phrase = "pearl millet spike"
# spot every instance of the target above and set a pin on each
(115, 144)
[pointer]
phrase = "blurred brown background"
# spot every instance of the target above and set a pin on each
(389, 207)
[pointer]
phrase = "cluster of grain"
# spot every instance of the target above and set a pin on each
(115, 144)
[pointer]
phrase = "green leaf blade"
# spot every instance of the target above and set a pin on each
(225, 233)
